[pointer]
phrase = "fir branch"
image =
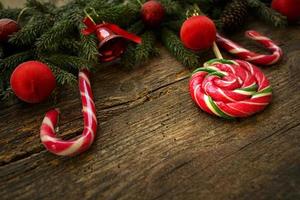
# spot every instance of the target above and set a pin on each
(120, 14)
(128, 58)
(88, 45)
(62, 77)
(9, 63)
(138, 54)
(175, 46)
(89, 48)
(40, 7)
(9, 13)
(267, 14)
(71, 63)
(52, 38)
(171, 7)
(175, 25)
(137, 28)
(70, 45)
(31, 31)
(146, 49)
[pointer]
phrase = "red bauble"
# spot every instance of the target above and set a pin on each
(7, 27)
(152, 13)
(32, 81)
(198, 33)
(288, 8)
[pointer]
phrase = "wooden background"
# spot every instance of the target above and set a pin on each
(154, 143)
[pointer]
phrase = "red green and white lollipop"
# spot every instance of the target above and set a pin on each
(230, 88)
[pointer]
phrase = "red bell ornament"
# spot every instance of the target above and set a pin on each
(112, 39)
(111, 45)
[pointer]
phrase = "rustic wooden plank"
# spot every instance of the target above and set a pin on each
(154, 143)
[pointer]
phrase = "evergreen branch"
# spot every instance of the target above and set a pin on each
(9, 13)
(88, 45)
(171, 7)
(71, 63)
(175, 46)
(52, 38)
(89, 48)
(9, 63)
(40, 7)
(146, 49)
(120, 14)
(175, 25)
(128, 58)
(62, 77)
(137, 28)
(31, 31)
(70, 45)
(138, 54)
(267, 14)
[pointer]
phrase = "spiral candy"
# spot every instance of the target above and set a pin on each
(230, 88)
(250, 56)
(83, 142)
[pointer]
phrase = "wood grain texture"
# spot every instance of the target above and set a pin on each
(154, 143)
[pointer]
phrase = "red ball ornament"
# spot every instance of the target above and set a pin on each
(7, 27)
(198, 33)
(32, 81)
(288, 8)
(152, 13)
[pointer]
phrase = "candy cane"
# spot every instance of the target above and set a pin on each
(250, 56)
(230, 89)
(84, 141)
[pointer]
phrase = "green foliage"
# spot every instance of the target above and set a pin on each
(63, 77)
(267, 14)
(9, 13)
(122, 15)
(171, 7)
(138, 54)
(88, 47)
(31, 31)
(175, 46)
(51, 39)
(10, 63)
(137, 28)
(68, 62)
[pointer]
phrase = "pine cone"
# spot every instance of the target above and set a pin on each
(234, 15)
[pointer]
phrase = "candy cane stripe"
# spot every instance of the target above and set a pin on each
(247, 93)
(250, 56)
(79, 144)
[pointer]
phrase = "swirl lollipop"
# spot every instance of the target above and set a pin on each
(230, 88)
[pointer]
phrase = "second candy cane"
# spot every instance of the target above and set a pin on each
(81, 143)
(250, 56)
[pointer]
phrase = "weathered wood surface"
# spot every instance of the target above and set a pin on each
(154, 143)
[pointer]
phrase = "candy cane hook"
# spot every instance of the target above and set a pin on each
(250, 56)
(83, 142)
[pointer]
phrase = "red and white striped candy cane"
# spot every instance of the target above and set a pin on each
(83, 142)
(230, 88)
(250, 56)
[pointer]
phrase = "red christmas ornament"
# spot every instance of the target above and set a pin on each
(112, 39)
(7, 27)
(32, 81)
(198, 33)
(152, 13)
(288, 8)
